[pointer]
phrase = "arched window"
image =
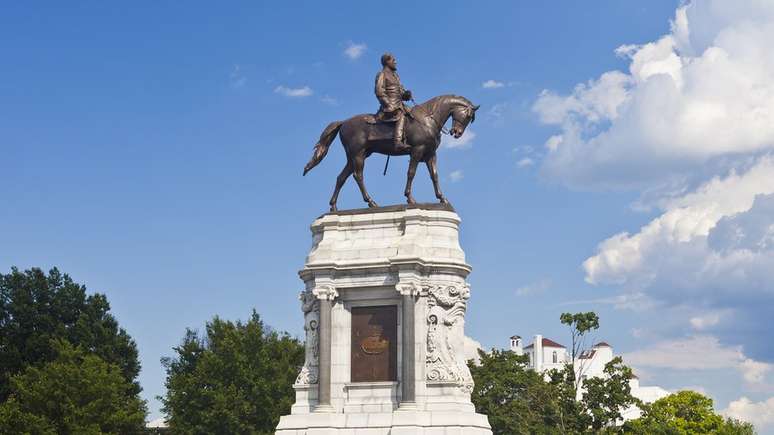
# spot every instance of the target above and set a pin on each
(555, 358)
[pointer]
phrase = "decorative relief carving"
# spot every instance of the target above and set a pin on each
(310, 305)
(445, 361)
(408, 289)
(325, 292)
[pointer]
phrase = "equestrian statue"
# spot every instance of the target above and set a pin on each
(396, 130)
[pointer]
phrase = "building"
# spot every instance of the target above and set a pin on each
(546, 354)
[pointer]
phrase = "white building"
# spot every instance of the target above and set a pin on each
(546, 354)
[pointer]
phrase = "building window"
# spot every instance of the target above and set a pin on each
(555, 358)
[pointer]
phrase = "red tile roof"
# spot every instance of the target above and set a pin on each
(547, 342)
(602, 344)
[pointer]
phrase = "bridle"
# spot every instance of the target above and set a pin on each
(437, 124)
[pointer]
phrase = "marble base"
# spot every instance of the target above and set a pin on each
(395, 423)
(408, 257)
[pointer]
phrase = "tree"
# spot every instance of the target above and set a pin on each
(685, 413)
(516, 400)
(237, 379)
(603, 398)
(38, 309)
(606, 396)
(580, 324)
(76, 393)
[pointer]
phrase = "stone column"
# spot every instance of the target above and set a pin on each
(408, 290)
(326, 296)
(408, 379)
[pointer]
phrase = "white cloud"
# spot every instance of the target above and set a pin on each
(708, 319)
(294, 92)
(634, 301)
(718, 233)
(456, 176)
(471, 348)
(525, 162)
(704, 91)
(534, 288)
(760, 414)
(492, 84)
(354, 51)
(237, 78)
(327, 99)
(681, 354)
(464, 142)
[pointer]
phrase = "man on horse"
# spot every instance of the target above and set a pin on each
(391, 95)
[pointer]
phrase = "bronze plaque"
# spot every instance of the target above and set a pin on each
(374, 344)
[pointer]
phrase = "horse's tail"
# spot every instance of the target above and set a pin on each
(322, 146)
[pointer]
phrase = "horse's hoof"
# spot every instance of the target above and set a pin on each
(410, 200)
(372, 204)
(333, 208)
(444, 200)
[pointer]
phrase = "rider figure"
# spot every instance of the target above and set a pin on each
(391, 96)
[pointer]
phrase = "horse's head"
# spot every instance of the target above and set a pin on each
(462, 115)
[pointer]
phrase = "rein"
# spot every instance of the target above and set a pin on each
(427, 115)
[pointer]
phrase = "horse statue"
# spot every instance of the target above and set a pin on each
(363, 135)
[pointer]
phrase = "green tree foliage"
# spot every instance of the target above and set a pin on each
(516, 399)
(606, 396)
(237, 379)
(684, 413)
(38, 309)
(580, 324)
(76, 393)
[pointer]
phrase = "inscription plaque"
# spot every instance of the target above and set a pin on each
(374, 355)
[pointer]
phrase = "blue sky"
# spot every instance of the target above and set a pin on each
(154, 153)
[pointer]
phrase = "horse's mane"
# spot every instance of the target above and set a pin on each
(430, 105)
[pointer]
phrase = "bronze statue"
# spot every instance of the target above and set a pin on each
(391, 95)
(365, 134)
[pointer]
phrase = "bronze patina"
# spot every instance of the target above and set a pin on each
(391, 95)
(365, 134)
(374, 351)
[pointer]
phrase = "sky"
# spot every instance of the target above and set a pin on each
(622, 161)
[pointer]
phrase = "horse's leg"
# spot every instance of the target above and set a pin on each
(432, 168)
(358, 161)
(412, 170)
(345, 173)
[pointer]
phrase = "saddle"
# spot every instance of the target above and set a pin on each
(381, 128)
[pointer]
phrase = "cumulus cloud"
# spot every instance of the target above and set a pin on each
(681, 354)
(464, 142)
(492, 84)
(534, 288)
(301, 92)
(760, 414)
(471, 348)
(456, 176)
(525, 162)
(704, 91)
(708, 319)
(237, 78)
(354, 51)
(327, 99)
(720, 233)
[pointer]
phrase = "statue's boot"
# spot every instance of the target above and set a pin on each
(400, 146)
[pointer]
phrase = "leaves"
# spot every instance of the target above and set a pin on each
(237, 379)
(38, 309)
(684, 413)
(76, 393)
(515, 398)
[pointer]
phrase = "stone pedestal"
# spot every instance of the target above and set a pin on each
(405, 264)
